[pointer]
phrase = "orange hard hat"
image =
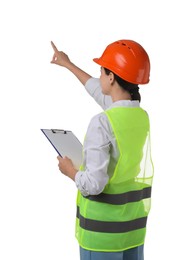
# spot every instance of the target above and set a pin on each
(128, 60)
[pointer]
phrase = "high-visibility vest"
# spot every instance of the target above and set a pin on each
(115, 220)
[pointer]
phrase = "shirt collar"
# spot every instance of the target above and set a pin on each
(125, 103)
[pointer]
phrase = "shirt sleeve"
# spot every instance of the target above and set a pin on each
(96, 152)
(93, 87)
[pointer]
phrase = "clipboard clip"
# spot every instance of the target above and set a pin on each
(58, 131)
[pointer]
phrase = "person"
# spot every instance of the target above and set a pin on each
(115, 179)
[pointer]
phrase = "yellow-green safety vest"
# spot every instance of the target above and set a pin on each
(115, 220)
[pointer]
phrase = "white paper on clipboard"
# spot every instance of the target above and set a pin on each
(66, 144)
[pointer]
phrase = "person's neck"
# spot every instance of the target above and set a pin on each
(120, 95)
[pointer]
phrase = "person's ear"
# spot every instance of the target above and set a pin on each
(111, 78)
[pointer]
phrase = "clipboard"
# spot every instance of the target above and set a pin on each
(66, 144)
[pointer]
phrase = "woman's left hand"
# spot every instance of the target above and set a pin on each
(66, 167)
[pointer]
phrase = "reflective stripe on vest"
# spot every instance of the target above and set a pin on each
(111, 227)
(116, 219)
(120, 199)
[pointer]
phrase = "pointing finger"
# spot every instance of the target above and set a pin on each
(54, 47)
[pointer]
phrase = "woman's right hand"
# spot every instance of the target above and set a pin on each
(62, 59)
(59, 57)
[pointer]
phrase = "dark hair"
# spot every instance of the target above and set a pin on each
(132, 88)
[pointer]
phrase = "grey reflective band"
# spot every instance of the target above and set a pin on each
(120, 199)
(111, 227)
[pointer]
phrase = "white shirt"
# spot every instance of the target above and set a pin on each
(100, 144)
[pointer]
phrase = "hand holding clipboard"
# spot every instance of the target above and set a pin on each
(66, 144)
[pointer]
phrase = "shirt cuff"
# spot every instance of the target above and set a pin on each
(78, 183)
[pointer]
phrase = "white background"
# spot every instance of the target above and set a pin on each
(37, 203)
